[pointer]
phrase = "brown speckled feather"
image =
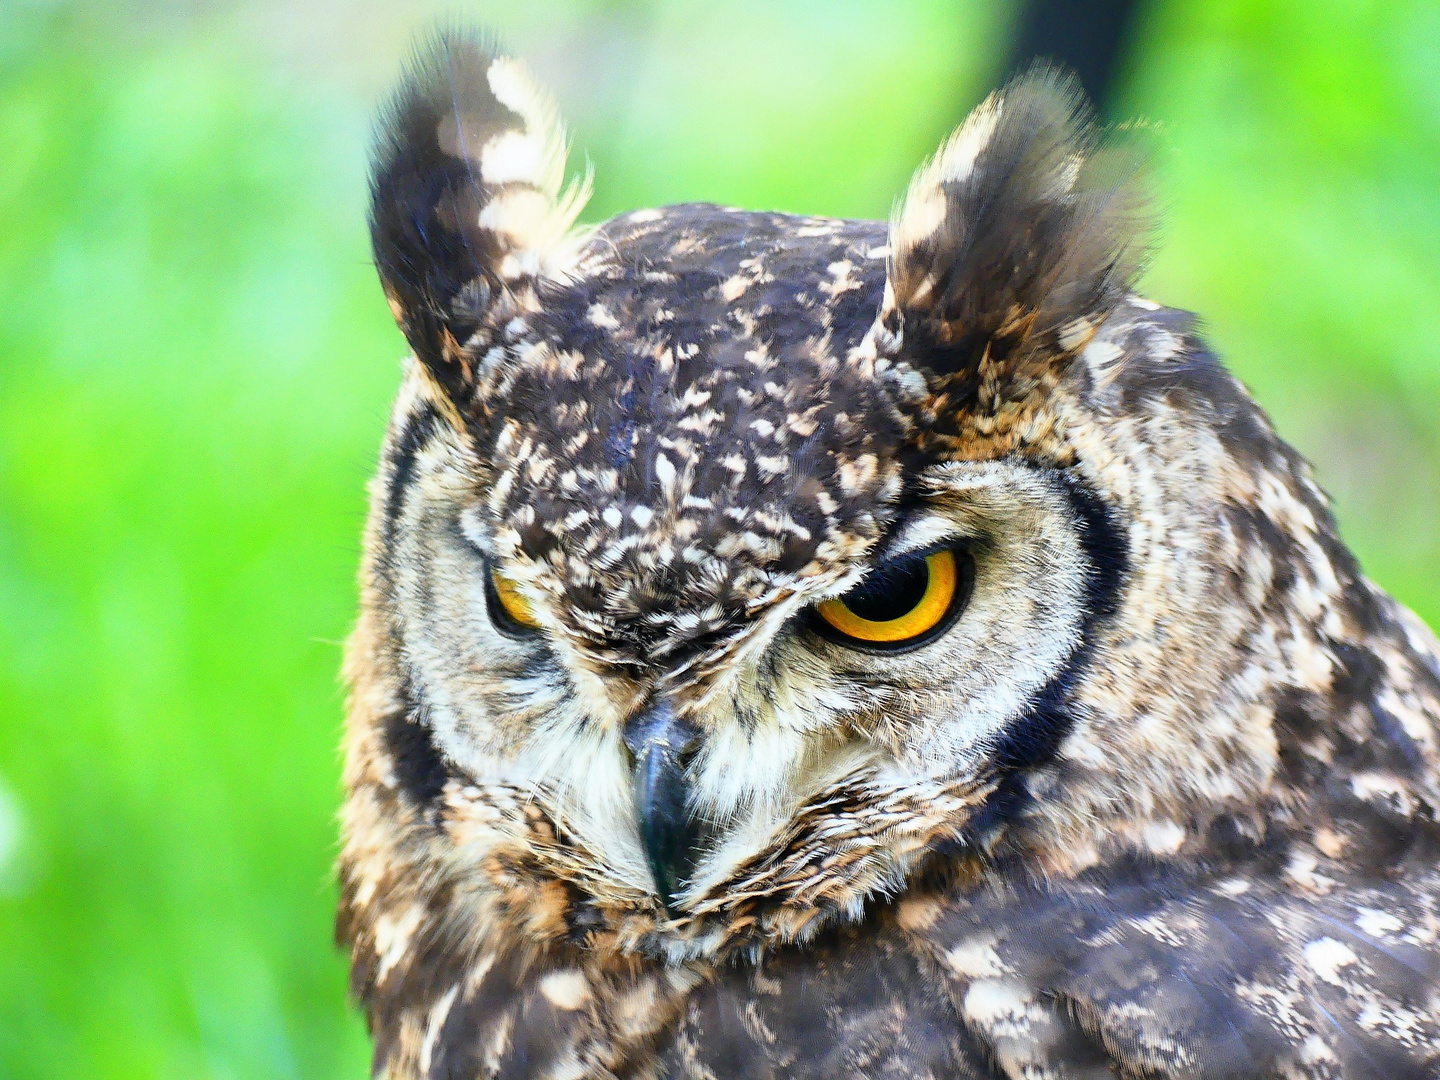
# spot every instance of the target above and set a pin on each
(1159, 795)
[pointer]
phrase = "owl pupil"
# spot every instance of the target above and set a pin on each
(892, 591)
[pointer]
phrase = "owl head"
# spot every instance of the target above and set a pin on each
(727, 569)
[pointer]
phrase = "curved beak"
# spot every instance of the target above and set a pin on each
(663, 745)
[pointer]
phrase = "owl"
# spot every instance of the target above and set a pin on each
(795, 647)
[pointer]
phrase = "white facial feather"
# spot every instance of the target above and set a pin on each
(792, 714)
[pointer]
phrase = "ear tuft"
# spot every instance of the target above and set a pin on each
(467, 209)
(1023, 229)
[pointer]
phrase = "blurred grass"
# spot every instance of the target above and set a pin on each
(195, 363)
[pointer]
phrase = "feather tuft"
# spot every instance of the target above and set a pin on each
(469, 205)
(1023, 226)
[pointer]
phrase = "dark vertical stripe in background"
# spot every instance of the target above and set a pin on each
(1091, 37)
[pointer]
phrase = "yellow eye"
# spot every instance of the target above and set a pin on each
(902, 603)
(512, 606)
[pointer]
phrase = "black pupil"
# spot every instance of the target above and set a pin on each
(891, 591)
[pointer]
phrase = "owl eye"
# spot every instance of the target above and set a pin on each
(901, 604)
(509, 610)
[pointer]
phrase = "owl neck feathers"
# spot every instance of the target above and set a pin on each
(1252, 690)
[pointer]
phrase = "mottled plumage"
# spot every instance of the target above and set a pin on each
(1159, 799)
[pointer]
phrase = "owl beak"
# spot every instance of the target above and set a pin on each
(662, 744)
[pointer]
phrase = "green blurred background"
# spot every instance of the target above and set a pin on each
(195, 364)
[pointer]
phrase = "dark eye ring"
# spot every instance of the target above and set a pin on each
(901, 604)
